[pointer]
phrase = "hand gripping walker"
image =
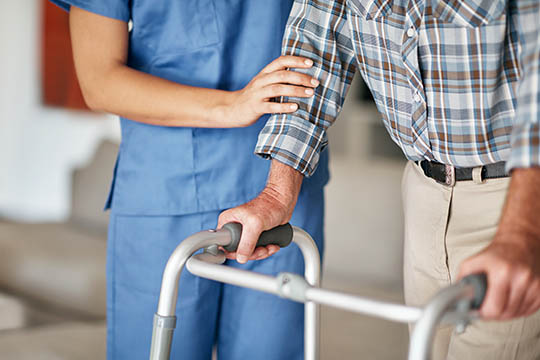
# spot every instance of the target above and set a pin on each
(452, 305)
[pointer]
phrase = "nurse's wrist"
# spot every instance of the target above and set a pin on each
(220, 113)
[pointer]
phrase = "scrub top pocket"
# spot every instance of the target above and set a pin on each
(172, 27)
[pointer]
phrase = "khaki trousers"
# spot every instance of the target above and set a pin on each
(444, 226)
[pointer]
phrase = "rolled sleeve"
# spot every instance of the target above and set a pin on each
(292, 141)
(318, 30)
(525, 146)
(526, 130)
(115, 9)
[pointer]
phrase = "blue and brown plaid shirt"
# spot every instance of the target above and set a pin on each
(455, 81)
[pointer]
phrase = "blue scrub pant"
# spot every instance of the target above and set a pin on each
(243, 323)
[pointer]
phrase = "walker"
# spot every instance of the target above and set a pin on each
(454, 305)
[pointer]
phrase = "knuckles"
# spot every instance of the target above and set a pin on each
(503, 270)
(256, 82)
(492, 312)
(278, 89)
(254, 222)
(525, 274)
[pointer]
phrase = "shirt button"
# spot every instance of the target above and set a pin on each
(417, 98)
(411, 32)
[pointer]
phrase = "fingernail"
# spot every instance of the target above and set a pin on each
(308, 62)
(314, 82)
(294, 107)
(309, 91)
(241, 259)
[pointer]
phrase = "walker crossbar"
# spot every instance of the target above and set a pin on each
(452, 305)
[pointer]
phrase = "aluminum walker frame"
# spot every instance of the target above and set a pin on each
(452, 305)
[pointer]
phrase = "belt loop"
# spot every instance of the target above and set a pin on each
(450, 173)
(477, 175)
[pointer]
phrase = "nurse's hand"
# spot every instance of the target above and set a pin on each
(246, 106)
(274, 206)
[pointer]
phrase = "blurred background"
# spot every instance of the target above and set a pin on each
(56, 161)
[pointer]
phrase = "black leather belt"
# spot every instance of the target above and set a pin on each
(448, 174)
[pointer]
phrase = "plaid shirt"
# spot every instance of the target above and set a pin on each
(455, 81)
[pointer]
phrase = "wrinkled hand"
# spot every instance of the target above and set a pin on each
(512, 261)
(274, 206)
(513, 273)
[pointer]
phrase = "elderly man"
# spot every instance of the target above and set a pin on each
(457, 84)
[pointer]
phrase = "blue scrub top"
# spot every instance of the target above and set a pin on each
(205, 43)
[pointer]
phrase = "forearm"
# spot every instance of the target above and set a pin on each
(146, 98)
(100, 51)
(522, 208)
(284, 184)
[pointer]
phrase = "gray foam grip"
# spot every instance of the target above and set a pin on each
(280, 235)
(479, 283)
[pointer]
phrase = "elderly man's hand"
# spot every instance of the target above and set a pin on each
(274, 206)
(512, 260)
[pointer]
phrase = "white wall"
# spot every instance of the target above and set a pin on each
(38, 145)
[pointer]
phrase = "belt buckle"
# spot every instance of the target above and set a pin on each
(450, 173)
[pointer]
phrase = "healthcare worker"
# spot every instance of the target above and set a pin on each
(181, 81)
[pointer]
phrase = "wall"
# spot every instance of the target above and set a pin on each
(38, 145)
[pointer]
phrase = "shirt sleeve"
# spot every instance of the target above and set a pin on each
(115, 9)
(526, 130)
(316, 29)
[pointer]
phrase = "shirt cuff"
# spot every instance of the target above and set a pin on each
(525, 146)
(293, 141)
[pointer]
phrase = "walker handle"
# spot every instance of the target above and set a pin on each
(280, 235)
(479, 284)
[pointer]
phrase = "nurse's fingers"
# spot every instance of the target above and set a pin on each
(286, 77)
(277, 90)
(278, 108)
(287, 61)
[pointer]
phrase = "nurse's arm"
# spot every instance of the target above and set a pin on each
(100, 48)
(273, 206)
